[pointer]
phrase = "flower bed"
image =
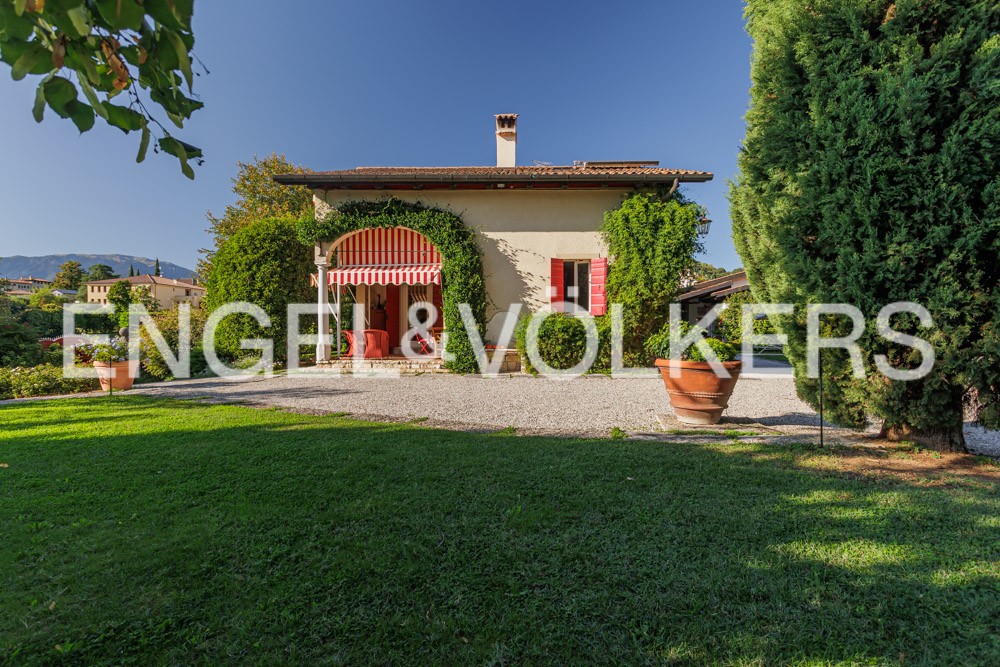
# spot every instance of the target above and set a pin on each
(45, 380)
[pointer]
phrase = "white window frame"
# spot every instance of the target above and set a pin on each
(572, 299)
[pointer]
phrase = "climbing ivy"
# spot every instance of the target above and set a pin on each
(461, 260)
(651, 238)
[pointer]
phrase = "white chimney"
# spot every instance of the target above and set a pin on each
(506, 139)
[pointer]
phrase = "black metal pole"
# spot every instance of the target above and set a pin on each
(821, 444)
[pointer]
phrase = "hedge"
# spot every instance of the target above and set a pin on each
(45, 380)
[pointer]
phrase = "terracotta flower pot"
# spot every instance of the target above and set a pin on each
(117, 375)
(698, 395)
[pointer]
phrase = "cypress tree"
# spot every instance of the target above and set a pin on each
(131, 271)
(156, 269)
(870, 174)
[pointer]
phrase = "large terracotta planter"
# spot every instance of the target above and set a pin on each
(698, 395)
(117, 375)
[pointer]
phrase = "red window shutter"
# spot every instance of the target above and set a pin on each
(598, 278)
(557, 289)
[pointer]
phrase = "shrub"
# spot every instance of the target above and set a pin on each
(45, 380)
(18, 343)
(658, 345)
(53, 355)
(562, 342)
(730, 322)
(46, 323)
(264, 264)
(167, 322)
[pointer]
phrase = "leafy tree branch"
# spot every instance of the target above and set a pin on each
(125, 57)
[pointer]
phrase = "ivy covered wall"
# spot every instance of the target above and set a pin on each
(461, 266)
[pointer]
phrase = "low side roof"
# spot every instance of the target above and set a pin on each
(716, 288)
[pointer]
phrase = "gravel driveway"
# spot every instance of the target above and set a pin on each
(591, 405)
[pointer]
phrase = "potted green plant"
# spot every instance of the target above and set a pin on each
(697, 394)
(114, 370)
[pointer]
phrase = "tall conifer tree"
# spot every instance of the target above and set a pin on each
(870, 174)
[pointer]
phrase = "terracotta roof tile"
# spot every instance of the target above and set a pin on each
(149, 280)
(630, 170)
(597, 173)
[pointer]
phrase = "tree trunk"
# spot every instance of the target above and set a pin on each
(939, 439)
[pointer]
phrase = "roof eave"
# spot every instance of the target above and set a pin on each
(321, 181)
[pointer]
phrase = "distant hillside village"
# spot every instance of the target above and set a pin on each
(47, 266)
(73, 283)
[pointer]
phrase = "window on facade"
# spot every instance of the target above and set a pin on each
(576, 283)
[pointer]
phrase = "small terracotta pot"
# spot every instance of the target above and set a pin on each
(117, 375)
(698, 395)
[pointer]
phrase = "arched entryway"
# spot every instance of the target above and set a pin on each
(386, 270)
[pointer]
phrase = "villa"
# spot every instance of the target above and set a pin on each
(28, 285)
(536, 227)
(167, 291)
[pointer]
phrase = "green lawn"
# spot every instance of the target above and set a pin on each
(142, 531)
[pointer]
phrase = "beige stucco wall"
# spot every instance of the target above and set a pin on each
(166, 295)
(518, 231)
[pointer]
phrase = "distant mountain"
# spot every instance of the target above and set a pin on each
(46, 266)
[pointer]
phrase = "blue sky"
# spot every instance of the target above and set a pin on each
(337, 84)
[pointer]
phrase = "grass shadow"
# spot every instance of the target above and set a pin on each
(220, 533)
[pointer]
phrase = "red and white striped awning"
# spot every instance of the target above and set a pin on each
(385, 256)
(386, 246)
(426, 274)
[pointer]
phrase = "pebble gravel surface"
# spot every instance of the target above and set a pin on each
(590, 405)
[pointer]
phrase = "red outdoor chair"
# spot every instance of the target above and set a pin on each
(425, 345)
(376, 344)
(351, 344)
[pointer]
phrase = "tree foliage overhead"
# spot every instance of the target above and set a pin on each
(870, 175)
(258, 197)
(651, 240)
(108, 59)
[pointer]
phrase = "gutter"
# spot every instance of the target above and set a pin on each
(320, 180)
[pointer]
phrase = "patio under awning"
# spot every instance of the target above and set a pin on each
(425, 274)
